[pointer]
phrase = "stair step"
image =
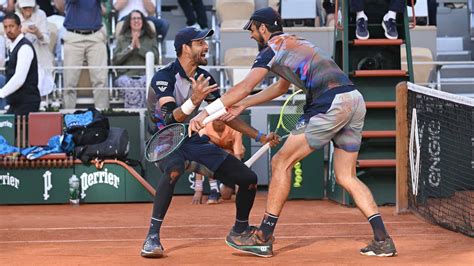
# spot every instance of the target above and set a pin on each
(457, 85)
(380, 105)
(454, 56)
(377, 42)
(380, 73)
(449, 44)
(379, 134)
(457, 71)
(371, 163)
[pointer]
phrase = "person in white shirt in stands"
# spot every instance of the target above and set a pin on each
(21, 90)
(35, 28)
(3, 51)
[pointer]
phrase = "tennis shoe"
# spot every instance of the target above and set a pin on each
(384, 248)
(251, 241)
(214, 197)
(390, 28)
(362, 33)
(152, 247)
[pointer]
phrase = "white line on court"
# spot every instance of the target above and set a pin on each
(204, 238)
(189, 226)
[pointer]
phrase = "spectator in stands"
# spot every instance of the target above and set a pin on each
(389, 22)
(136, 38)
(229, 140)
(35, 28)
(6, 6)
(195, 13)
(328, 7)
(107, 18)
(432, 12)
(3, 52)
(21, 90)
(47, 7)
(84, 40)
(147, 7)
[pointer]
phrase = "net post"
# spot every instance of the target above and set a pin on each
(401, 148)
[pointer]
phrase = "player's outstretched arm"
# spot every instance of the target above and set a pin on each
(276, 89)
(245, 87)
(198, 188)
(246, 129)
(234, 95)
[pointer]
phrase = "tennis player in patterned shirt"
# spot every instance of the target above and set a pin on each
(334, 110)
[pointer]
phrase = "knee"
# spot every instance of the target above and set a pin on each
(173, 172)
(343, 180)
(248, 179)
(279, 163)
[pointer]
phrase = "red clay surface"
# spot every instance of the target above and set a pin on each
(308, 232)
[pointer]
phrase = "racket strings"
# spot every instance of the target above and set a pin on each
(165, 142)
(291, 114)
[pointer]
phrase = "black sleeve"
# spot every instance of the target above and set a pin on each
(264, 58)
(167, 112)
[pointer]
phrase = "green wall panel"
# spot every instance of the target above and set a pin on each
(7, 128)
(34, 186)
(104, 185)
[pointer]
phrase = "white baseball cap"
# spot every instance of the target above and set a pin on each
(26, 3)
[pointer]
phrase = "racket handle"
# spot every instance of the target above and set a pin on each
(214, 116)
(258, 154)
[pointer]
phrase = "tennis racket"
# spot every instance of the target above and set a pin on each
(170, 138)
(290, 114)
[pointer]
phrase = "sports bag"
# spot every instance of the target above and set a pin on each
(116, 146)
(87, 127)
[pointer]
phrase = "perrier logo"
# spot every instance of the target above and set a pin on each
(9, 180)
(6, 124)
(99, 177)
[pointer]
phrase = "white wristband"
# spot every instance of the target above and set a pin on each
(215, 106)
(188, 107)
(198, 185)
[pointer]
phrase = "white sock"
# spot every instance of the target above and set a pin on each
(361, 14)
(213, 185)
(390, 15)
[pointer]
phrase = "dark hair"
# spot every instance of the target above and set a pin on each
(270, 28)
(180, 51)
(146, 27)
(14, 17)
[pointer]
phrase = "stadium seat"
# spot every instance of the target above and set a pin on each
(42, 126)
(273, 4)
(233, 14)
(421, 72)
(239, 57)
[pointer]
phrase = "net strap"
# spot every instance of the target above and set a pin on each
(441, 94)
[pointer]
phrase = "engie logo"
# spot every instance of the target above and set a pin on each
(99, 177)
(6, 124)
(9, 180)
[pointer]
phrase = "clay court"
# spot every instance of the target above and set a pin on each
(309, 232)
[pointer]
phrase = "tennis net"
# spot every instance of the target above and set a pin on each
(441, 158)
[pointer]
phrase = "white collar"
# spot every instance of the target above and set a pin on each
(16, 41)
